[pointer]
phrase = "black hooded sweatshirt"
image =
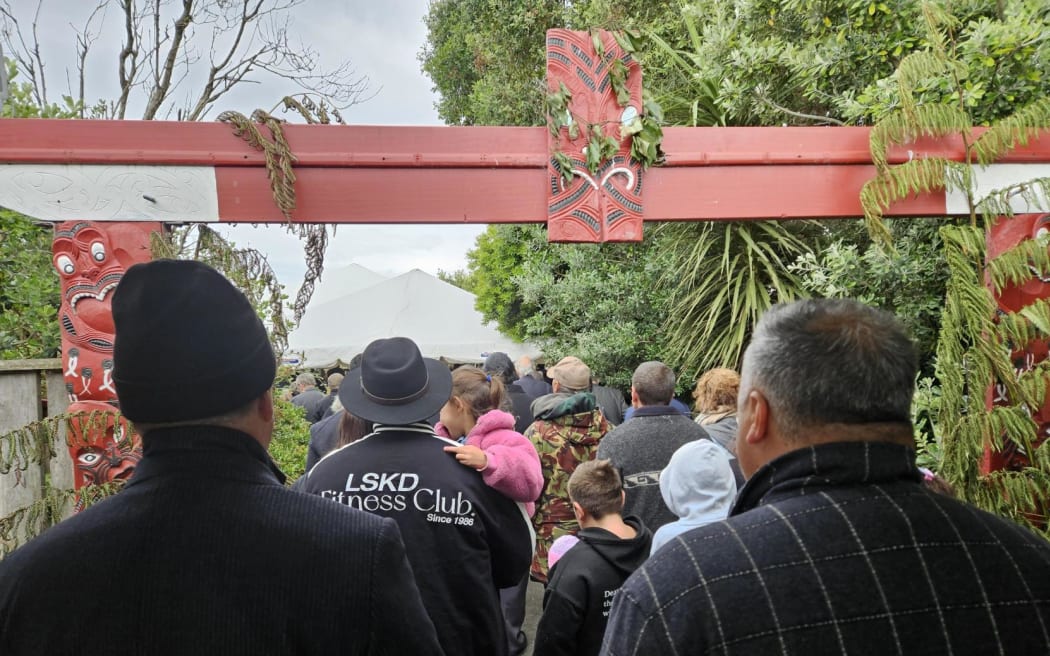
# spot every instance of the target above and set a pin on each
(582, 586)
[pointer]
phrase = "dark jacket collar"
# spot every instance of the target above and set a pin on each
(825, 466)
(655, 411)
(206, 451)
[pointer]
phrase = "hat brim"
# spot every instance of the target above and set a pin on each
(439, 389)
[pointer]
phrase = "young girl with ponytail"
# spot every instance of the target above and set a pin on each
(473, 416)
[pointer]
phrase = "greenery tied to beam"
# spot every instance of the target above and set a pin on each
(279, 161)
(644, 129)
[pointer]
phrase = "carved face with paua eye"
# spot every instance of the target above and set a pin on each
(90, 259)
(103, 448)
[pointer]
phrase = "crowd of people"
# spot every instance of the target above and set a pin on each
(787, 517)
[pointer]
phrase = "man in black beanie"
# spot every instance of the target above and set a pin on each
(205, 551)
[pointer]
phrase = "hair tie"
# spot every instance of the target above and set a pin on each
(488, 378)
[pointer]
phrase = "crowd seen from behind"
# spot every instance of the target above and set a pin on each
(782, 514)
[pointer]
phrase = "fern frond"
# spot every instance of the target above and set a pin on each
(933, 120)
(919, 66)
(1018, 265)
(26, 523)
(1012, 131)
(1034, 194)
(919, 176)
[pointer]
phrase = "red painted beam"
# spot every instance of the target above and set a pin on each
(375, 195)
(329, 195)
(57, 141)
(355, 174)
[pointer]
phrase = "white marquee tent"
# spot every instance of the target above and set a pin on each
(336, 283)
(438, 316)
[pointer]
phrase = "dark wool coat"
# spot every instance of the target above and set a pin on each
(464, 539)
(839, 549)
(522, 407)
(640, 448)
(205, 552)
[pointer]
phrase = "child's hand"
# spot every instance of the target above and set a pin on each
(471, 456)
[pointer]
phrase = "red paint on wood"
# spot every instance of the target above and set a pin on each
(605, 205)
(91, 259)
(492, 175)
(769, 192)
(58, 141)
(331, 195)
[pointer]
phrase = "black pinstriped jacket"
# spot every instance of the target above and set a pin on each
(839, 549)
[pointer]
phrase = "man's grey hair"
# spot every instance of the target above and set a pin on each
(523, 366)
(305, 379)
(654, 383)
(828, 361)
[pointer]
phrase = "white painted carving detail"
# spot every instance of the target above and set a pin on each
(68, 192)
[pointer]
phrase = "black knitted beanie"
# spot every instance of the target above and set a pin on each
(188, 344)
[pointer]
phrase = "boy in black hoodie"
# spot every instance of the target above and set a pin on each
(578, 598)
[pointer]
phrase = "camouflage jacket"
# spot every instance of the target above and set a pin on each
(566, 432)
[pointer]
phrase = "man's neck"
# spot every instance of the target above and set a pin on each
(613, 522)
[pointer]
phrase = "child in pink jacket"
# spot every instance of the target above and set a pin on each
(507, 461)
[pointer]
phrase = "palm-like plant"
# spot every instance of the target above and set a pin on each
(724, 277)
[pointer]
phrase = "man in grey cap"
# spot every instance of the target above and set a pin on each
(205, 551)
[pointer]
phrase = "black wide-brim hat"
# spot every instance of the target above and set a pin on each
(395, 384)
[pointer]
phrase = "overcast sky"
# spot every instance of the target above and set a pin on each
(381, 38)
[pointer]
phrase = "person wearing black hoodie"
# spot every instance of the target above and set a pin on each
(585, 580)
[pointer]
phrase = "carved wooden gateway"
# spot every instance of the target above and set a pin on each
(108, 184)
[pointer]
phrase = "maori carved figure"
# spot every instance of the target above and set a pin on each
(91, 258)
(1006, 234)
(102, 445)
(606, 206)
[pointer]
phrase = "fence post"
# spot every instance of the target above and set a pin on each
(20, 405)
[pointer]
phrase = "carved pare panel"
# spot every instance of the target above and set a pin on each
(102, 444)
(606, 206)
(90, 259)
(1006, 234)
(68, 192)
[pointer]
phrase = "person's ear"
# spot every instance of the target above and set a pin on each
(635, 401)
(265, 406)
(757, 428)
(578, 511)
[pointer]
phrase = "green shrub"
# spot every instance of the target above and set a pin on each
(291, 436)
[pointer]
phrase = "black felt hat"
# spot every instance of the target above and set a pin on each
(395, 384)
(188, 344)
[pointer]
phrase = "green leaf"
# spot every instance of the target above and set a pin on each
(596, 41)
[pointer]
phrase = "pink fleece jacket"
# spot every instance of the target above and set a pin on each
(513, 467)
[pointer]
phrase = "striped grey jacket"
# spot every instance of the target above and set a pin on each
(839, 549)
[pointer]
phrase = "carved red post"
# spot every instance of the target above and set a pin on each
(1003, 236)
(594, 206)
(91, 258)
